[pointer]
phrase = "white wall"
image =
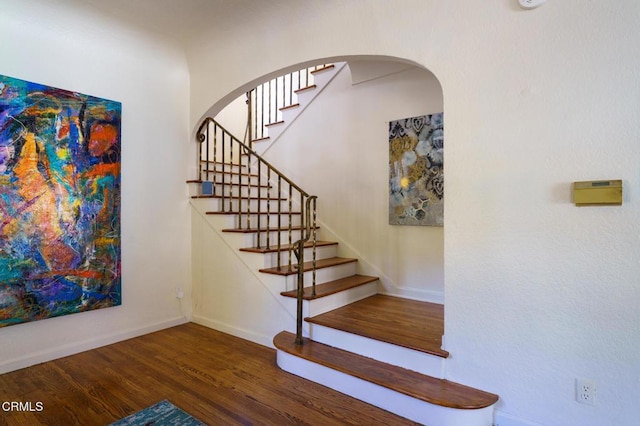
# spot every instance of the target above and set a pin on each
(234, 117)
(537, 291)
(66, 44)
(338, 149)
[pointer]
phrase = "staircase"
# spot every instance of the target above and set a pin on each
(384, 350)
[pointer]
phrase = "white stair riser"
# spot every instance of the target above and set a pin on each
(231, 203)
(235, 168)
(244, 191)
(410, 359)
(271, 259)
(323, 275)
(337, 300)
(252, 239)
(387, 399)
(328, 303)
(232, 178)
(240, 221)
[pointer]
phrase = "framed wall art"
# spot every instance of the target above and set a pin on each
(59, 202)
(416, 171)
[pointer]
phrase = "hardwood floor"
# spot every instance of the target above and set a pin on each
(218, 378)
(409, 323)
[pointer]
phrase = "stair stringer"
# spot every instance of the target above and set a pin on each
(305, 99)
(254, 283)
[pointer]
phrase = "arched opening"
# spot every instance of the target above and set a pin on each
(338, 149)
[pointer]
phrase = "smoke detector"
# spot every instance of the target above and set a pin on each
(531, 4)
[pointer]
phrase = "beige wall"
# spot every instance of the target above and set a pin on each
(67, 45)
(537, 291)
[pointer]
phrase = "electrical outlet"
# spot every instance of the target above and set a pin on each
(586, 391)
(179, 293)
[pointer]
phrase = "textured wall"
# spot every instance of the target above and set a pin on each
(537, 291)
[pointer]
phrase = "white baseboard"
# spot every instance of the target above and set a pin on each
(261, 339)
(85, 345)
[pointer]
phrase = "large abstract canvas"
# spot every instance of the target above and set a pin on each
(59, 202)
(416, 173)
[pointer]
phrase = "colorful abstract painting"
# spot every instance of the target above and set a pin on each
(59, 202)
(416, 173)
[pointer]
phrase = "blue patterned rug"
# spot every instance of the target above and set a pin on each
(163, 413)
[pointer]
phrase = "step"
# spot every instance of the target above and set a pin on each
(263, 139)
(230, 172)
(244, 185)
(255, 230)
(402, 322)
(425, 399)
(275, 123)
(296, 105)
(334, 293)
(308, 266)
(304, 89)
(221, 164)
(251, 235)
(285, 247)
(273, 256)
(332, 287)
(272, 198)
(244, 213)
(322, 69)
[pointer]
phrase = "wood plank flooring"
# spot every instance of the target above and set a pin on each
(218, 378)
(409, 323)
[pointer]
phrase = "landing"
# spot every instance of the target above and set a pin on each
(403, 322)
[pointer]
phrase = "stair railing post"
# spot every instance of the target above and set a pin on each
(314, 242)
(249, 120)
(300, 294)
(290, 231)
(279, 245)
(269, 208)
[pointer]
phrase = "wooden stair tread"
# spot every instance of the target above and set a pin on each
(266, 138)
(285, 247)
(235, 212)
(308, 266)
(425, 388)
(274, 123)
(403, 322)
(247, 185)
(325, 68)
(304, 89)
(332, 287)
(222, 164)
(284, 108)
(254, 230)
(230, 172)
(243, 198)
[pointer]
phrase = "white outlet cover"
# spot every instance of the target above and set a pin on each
(531, 4)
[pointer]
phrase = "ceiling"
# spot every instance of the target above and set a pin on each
(180, 19)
